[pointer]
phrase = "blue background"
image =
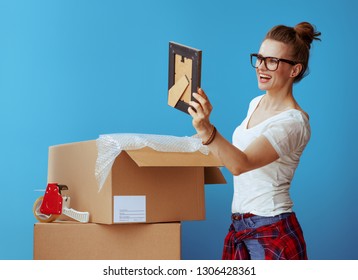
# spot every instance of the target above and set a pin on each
(72, 70)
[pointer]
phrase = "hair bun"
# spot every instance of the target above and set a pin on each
(307, 32)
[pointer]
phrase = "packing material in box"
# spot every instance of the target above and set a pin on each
(143, 185)
(78, 241)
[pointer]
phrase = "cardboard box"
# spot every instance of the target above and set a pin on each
(77, 241)
(143, 185)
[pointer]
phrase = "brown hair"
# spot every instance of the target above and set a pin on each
(300, 38)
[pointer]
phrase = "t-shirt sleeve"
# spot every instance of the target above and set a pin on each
(287, 136)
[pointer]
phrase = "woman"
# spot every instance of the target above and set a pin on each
(266, 149)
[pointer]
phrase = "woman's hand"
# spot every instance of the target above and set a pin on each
(201, 114)
(259, 153)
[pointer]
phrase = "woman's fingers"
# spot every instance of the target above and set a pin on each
(196, 105)
(202, 93)
(204, 103)
(200, 110)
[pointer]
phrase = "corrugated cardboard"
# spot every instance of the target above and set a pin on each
(172, 183)
(76, 241)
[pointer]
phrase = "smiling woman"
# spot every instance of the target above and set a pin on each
(266, 150)
(269, 75)
(72, 70)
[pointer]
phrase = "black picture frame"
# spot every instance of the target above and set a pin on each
(184, 60)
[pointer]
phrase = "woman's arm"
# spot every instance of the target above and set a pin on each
(259, 153)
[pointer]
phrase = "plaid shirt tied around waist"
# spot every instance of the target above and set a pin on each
(281, 241)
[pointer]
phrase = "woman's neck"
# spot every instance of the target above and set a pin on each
(279, 101)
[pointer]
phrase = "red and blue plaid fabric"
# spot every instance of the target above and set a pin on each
(281, 241)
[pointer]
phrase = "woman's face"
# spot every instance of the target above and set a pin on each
(280, 79)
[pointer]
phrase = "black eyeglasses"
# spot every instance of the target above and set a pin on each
(271, 63)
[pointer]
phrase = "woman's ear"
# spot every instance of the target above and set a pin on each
(296, 70)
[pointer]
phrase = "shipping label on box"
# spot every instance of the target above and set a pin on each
(129, 209)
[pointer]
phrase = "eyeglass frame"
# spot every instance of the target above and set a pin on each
(263, 58)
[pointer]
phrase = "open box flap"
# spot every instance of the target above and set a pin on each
(147, 157)
(213, 175)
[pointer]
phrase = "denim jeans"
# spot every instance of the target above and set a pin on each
(254, 247)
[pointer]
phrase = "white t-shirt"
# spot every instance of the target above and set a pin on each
(265, 191)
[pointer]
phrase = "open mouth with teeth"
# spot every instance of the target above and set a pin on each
(264, 77)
